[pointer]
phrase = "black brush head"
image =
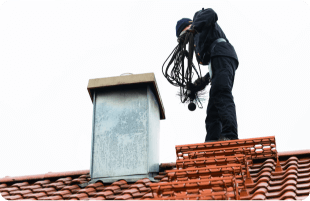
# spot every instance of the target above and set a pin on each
(191, 106)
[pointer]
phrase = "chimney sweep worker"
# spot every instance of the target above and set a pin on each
(212, 48)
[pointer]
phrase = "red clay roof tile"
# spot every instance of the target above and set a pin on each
(5, 193)
(95, 185)
(123, 197)
(35, 195)
(22, 192)
(73, 187)
(292, 182)
(13, 197)
(9, 189)
(30, 187)
(87, 190)
(104, 194)
(56, 197)
(62, 193)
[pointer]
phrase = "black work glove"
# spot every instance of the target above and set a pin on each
(202, 82)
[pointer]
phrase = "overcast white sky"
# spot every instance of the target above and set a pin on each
(50, 49)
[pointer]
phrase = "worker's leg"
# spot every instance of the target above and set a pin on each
(222, 83)
(213, 122)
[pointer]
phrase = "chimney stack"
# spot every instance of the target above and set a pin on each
(125, 129)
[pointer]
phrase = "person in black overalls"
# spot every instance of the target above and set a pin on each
(212, 47)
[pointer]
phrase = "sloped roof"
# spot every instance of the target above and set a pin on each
(248, 169)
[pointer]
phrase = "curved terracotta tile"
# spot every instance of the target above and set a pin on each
(80, 196)
(264, 169)
(292, 167)
(138, 186)
(279, 188)
(307, 165)
(97, 198)
(290, 163)
(130, 191)
(302, 192)
(95, 185)
(71, 188)
(301, 175)
(110, 197)
(259, 165)
(303, 185)
(304, 170)
(281, 177)
(9, 189)
(123, 197)
(119, 183)
(87, 190)
(165, 179)
(256, 171)
(57, 197)
(259, 197)
(21, 184)
(3, 186)
(258, 186)
(264, 174)
(138, 195)
(62, 193)
(35, 195)
(280, 182)
(46, 190)
(14, 197)
(104, 194)
(22, 192)
(148, 195)
(145, 180)
(292, 158)
(101, 188)
(64, 179)
(112, 188)
(30, 187)
(5, 193)
(283, 191)
(144, 189)
(288, 194)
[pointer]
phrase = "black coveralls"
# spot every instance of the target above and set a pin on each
(221, 120)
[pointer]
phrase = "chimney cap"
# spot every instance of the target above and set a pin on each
(146, 78)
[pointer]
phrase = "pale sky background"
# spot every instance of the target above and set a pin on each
(50, 49)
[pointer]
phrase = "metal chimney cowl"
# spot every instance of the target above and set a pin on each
(125, 131)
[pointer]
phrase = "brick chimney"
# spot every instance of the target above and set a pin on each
(125, 131)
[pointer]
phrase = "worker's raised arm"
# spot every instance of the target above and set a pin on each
(203, 19)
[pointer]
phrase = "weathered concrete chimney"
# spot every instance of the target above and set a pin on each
(125, 132)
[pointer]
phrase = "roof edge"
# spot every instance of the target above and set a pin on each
(292, 153)
(43, 176)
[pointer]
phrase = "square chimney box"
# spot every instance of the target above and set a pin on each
(125, 129)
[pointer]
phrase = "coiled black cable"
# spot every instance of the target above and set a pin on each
(180, 76)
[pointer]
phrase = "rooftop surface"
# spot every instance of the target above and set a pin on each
(248, 169)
